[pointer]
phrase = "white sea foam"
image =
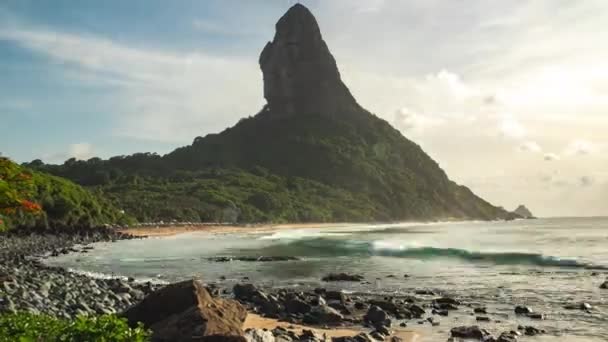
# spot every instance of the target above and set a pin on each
(99, 275)
(299, 234)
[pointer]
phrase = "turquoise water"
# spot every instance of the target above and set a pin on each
(545, 264)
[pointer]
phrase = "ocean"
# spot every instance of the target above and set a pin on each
(545, 264)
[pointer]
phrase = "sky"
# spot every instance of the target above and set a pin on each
(509, 97)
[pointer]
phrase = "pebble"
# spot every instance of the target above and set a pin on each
(27, 284)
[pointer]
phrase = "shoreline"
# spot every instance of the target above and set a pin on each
(176, 229)
(172, 230)
(62, 293)
(71, 293)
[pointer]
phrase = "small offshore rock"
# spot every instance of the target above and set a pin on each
(536, 315)
(480, 310)
(582, 306)
(342, 277)
(532, 331)
(523, 310)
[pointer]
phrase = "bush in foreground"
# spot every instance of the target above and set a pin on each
(27, 327)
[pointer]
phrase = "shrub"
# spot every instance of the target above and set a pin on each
(27, 327)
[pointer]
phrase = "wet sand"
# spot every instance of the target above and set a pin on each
(258, 322)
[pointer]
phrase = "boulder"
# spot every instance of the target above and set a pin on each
(311, 336)
(296, 306)
(323, 314)
(386, 305)
(185, 311)
(508, 336)
(471, 332)
(416, 310)
(336, 295)
(259, 335)
(245, 292)
(376, 316)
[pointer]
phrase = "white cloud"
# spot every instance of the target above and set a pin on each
(407, 120)
(509, 127)
(81, 151)
(165, 96)
(580, 147)
(530, 146)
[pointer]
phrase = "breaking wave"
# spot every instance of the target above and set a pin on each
(335, 247)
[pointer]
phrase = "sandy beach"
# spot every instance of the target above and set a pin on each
(159, 231)
(255, 321)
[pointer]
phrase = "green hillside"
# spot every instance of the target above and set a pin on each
(311, 154)
(62, 202)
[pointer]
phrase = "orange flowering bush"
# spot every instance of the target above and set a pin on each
(15, 188)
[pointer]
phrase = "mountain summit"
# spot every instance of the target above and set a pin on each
(300, 74)
(313, 128)
(312, 153)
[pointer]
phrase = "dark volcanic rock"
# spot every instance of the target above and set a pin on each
(582, 306)
(297, 306)
(323, 315)
(253, 258)
(480, 310)
(180, 311)
(604, 285)
(300, 74)
(376, 316)
(472, 332)
(508, 336)
(343, 277)
(523, 310)
(530, 330)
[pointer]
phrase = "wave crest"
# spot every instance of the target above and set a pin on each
(336, 247)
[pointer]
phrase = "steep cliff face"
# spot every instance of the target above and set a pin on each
(300, 74)
(313, 128)
(311, 154)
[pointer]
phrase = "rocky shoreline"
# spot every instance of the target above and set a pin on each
(27, 284)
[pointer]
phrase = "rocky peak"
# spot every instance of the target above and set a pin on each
(524, 212)
(300, 73)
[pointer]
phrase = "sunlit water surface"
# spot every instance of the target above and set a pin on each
(545, 264)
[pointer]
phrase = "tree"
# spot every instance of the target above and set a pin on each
(16, 188)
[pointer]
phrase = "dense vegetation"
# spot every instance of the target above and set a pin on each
(296, 169)
(153, 194)
(35, 199)
(358, 153)
(27, 327)
(16, 187)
